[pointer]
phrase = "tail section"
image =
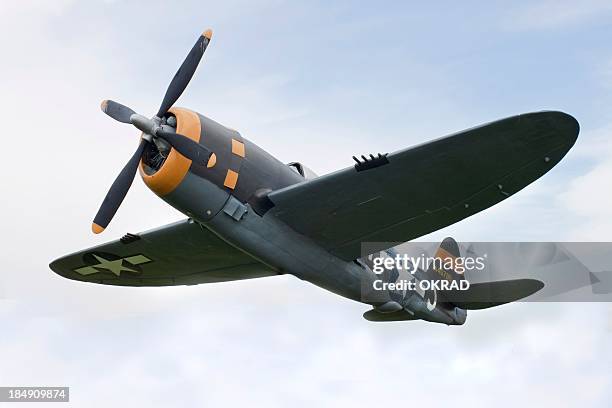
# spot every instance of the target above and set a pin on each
(447, 263)
(477, 295)
(441, 292)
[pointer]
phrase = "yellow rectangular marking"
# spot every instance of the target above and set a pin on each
(238, 148)
(231, 178)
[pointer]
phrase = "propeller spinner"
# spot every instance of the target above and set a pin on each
(152, 131)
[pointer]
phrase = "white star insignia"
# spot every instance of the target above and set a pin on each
(115, 266)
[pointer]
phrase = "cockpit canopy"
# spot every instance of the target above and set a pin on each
(302, 170)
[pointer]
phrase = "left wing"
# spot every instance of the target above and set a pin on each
(415, 191)
(182, 253)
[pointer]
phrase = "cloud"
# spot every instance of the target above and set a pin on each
(251, 355)
(586, 195)
(550, 14)
(604, 73)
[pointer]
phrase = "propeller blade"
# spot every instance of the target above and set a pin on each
(187, 147)
(117, 111)
(184, 73)
(117, 192)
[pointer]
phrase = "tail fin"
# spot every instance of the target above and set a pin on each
(446, 264)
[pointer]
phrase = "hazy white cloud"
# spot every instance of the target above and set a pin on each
(34, 8)
(586, 195)
(536, 353)
(551, 14)
(604, 73)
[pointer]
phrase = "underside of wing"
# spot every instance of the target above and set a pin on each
(413, 192)
(183, 253)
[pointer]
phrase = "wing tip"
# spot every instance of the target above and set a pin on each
(567, 125)
(55, 267)
(208, 33)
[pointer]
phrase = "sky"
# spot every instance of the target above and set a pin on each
(314, 82)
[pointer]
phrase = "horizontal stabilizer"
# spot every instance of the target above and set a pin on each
(375, 316)
(601, 282)
(490, 294)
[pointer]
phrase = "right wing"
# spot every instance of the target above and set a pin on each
(415, 191)
(182, 253)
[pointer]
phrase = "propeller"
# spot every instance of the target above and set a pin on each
(151, 131)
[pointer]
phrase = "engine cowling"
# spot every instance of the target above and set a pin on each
(237, 168)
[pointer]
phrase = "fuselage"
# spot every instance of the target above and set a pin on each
(229, 197)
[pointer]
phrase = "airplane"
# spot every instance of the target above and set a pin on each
(251, 215)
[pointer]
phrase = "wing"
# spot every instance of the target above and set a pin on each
(183, 253)
(419, 190)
